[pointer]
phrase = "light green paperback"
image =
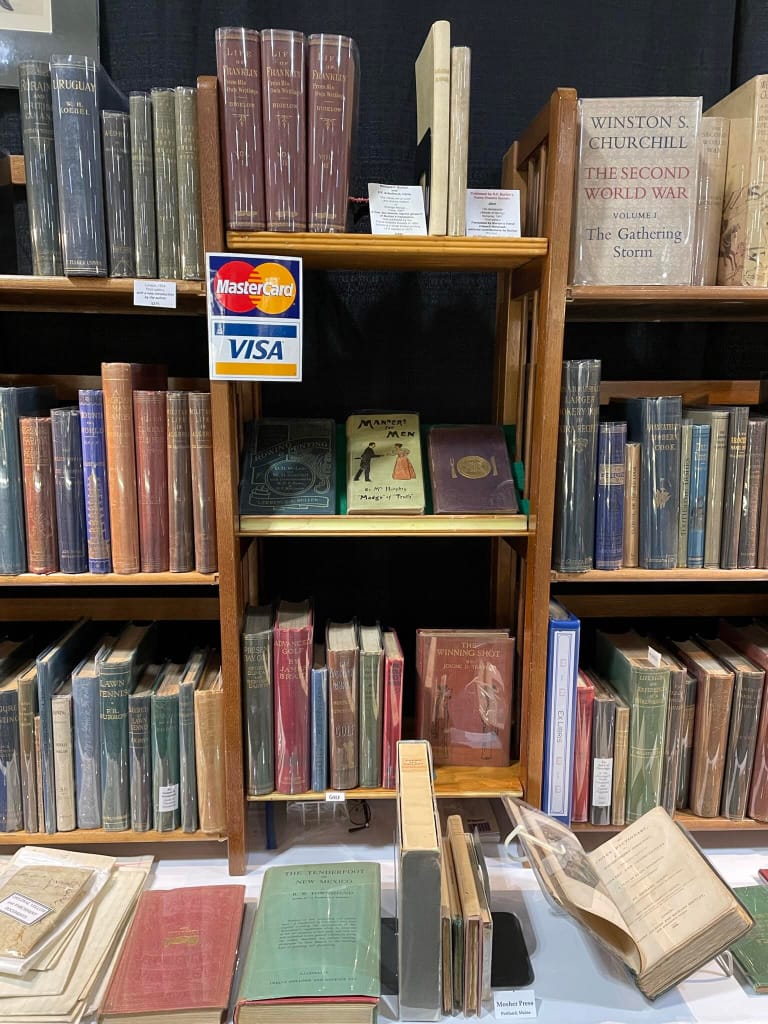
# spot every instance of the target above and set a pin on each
(751, 951)
(316, 934)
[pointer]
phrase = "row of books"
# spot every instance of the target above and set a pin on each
(289, 467)
(681, 724)
(97, 732)
(329, 715)
(665, 195)
(288, 112)
(122, 481)
(113, 184)
(654, 483)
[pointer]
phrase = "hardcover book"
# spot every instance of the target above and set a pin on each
(31, 806)
(470, 470)
(181, 540)
(392, 727)
(117, 384)
(686, 742)
(717, 420)
(118, 192)
(476, 946)
(319, 720)
(150, 419)
(582, 747)
(697, 497)
(636, 190)
(92, 436)
(191, 256)
(203, 496)
(384, 468)
(292, 647)
(258, 700)
(342, 653)
(603, 742)
(143, 183)
(284, 109)
(140, 749)
(166, 814)
(749, 951)
(733, 485)
(609, 496)
(620, 756)
(70, 495)
(238, 66)
(288, 468)
(332, 84)
(433, 105)
(464, 681)
(209, 747)
(749, 508)
(458, 146)
(11, 802)
(675, 725)
(39, 493)
(63, 756)
(713, 158)
(560, 712)
(686, 440)
(190, 680)
(166, 182)
(631, 543)
(371, 675)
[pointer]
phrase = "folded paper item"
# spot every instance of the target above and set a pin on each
(33, 902)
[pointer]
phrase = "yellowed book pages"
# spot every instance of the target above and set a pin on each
(209, 748)
(471, 912)
(433, 103)
(458, 155)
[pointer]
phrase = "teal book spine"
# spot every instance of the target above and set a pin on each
(187, 769)
(87, 744)
(369, 734)
(165, 762)
(140, 760)
(115, 683)
(11, 812)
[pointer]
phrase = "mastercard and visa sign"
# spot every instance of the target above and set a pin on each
(254, 317)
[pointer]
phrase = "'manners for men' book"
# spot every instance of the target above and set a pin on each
(470, 470)
(636, 190)
(384, 468)
(258, 700)
(329, 916)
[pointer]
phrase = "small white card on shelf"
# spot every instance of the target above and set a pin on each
(397, 209)
(335, 796)
(157, 294)
(514, 1004)
(493, 211)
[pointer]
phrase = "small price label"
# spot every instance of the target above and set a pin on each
(334, 797)
(514, 1004)
(654, 657)
(157, 294)
(168, 798)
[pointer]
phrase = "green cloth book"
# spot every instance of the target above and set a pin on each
(751, 951)
(315, 945)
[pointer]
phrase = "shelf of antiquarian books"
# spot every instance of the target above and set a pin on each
(392, 252)
(662, 576)
(690, 821)
(83, 836)
(111, 579)
(665, 303)
(91, 295)
(450, 781)
(385, 526)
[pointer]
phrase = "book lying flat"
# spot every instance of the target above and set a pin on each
(750, 951)
(648, 894)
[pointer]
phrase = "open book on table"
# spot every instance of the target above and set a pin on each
(649, 894)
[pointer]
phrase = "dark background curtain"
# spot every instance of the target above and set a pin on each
(415, 341)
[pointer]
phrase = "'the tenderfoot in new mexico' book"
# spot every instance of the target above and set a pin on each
(384, 469)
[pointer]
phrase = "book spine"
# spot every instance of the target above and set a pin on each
(673, 738)
(742, 738)
(713, 711)
(686, 742)
(11, 811)
(12, 539)
(63, 762)
(95, 481)
(149, 414)
(292, 669)
(601, 790)
(755, 261)
(39, 493)
(39, 776)
(658, 430)
(733, 488)
(87, 744)
(713, 153)
(165, 763)
(647, 723)
(27, 762)
(392, 728)
(143, 184)
(343, 718)
(686, 435)
(166, 182)
(140, 761)
(319, 729)
(181, 541)
(209, 752)
(284, 119)
(609, 500)
(118, 192)
(191, 257)
(630, 549)
(70, 494)
(620, 755)
(560, 718)
(752, 493)
(187, 767)
(369, 728)
(718, 447)
(331, 100)
(114, 690)
(203, 499)
(238, 65)
(77, 138)
(458, 152)
(116, 379)
(574, 532)
(697, 500)
(582, 754)
(40, 166)
(259, 725)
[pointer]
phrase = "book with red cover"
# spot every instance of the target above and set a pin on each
(149, 412)
(39, 493)
(582, 748)
(470, 470)
(392, 728)
(179, 955)
(284, 106)
(464, 695)
(292, 658)
(203, 498)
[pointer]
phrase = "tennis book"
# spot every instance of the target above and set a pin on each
(648, 894)
(384, 469)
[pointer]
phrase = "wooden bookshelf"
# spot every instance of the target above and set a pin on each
(662, 576)
(646, 303)
(89, 836)
(91, 295)
(111, 579)
(385, 526)
(690, 821)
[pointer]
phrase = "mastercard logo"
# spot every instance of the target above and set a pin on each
(242, 288)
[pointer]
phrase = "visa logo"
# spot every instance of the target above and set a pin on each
(256, 348)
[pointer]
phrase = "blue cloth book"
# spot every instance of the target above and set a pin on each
(288, 468)
(319, 726)
(70, 497)
(95, 480)
(697, 498)
(87, 737)
(560, 712)
(11, 810)
(609, 497)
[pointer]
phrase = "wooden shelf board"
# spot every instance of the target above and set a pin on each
(89, 836)
(451, 781)
(111, 579)
(392, 252)
(691, 821)
(665, 303)
(90, 295)
(385, 526)
(662, 576)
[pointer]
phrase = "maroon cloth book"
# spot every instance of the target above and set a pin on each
(149, 413)
(393, 709)
(464, 695)
(238, 64)
(582, 748)
(332, 76)
(203, 499)
(292, 660)
(179, 954)
(284, 106)
(470, 470)
(181, 542)
(39, 493)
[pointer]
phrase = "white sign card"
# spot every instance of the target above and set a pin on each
(493, 212)
(397, 209)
